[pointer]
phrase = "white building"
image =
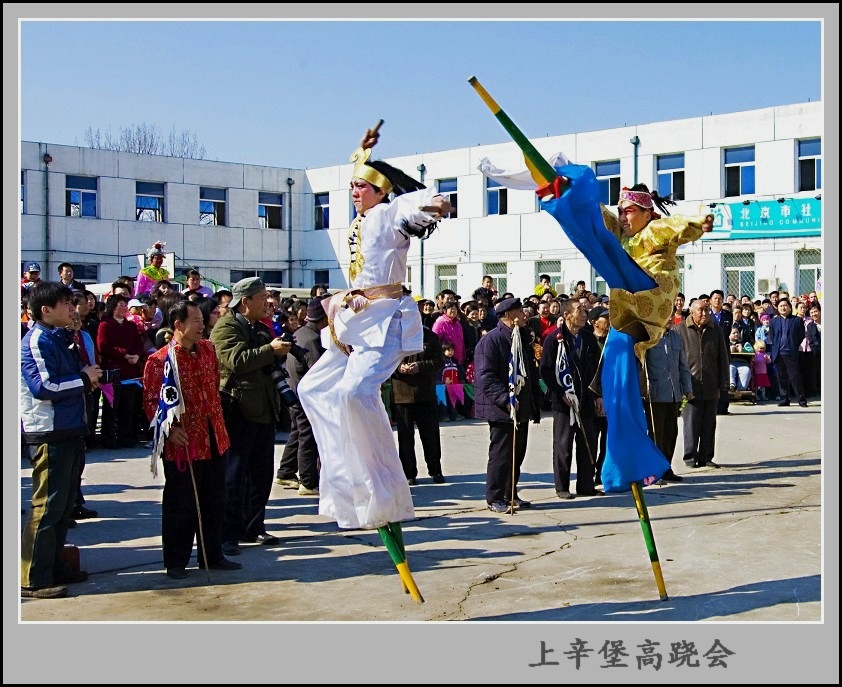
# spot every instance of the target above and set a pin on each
(759, 171)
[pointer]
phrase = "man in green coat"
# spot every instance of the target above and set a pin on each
(249, 354)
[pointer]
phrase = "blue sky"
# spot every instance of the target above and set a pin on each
(301, 93)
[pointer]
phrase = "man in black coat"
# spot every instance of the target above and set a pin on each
(507, 438)
(709, 361)
(725, 319)
(303, 454)
(786, 332)
(414, 396)
(569, 362)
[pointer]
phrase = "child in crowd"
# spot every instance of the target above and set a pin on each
(740, 369)
(453, 378)
(762, 331)
(762, 361)
(139, 315)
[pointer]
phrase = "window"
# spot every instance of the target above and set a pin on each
(321, 277)
(551, 268)
(80, 196)
(149, 201)
(495, 195)
(739, 273)
(809, 166)
(22, 190)
(270, 210)
(271, 276)
(212, 206)
(268, 276)
(809, 266)
(671, 176)
(322, 216)
(679, 259)
(447, 187)
(499, 273)
(87, 273)
(445, 278)
(739, 173)
(608, 178)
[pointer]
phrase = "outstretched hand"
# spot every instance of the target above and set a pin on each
(439, 207)
(371, 136)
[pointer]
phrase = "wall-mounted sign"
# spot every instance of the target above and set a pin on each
(763, 219)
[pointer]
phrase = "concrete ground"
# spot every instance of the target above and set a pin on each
(741, 543)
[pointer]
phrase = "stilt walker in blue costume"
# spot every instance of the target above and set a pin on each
(636, 255)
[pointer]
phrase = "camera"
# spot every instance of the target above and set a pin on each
(296, 351)
(279, 377)
(109, 377)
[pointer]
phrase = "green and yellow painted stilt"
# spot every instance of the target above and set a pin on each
(649, 537)
(392, 536)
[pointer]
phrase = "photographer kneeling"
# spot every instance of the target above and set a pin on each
(248, 354)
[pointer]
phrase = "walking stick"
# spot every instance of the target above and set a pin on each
(199, 516)
(514, 461)
(649, 538)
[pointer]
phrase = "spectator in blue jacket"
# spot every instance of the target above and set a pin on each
(54, 424)
(786, 332)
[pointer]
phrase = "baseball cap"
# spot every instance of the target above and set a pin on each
(246, 288)
(596, 312)
(135, 303)
(33, 267)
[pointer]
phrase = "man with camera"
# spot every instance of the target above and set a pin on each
(248, 355)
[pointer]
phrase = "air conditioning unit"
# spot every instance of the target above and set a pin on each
(766, 286)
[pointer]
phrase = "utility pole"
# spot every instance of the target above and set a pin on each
(635, 141)
(422, 170)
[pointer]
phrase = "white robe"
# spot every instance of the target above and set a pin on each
(362, 484)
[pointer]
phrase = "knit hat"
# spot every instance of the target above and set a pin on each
(315, 310)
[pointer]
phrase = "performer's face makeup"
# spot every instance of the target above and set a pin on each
(633, 218)
(363, 196)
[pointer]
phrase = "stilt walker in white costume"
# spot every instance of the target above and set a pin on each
(372, 326)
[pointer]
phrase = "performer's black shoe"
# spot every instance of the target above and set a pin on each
(670, 476)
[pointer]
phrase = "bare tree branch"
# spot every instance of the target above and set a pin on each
(147, 139)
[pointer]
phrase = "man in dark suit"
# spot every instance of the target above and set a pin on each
(303, 455)
(725, 319)
(491, 395)
(414, 396)
(569, 363)
(786, 332)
